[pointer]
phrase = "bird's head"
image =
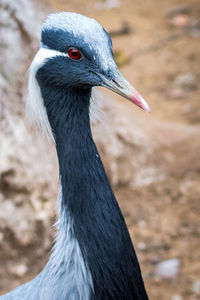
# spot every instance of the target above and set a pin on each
(76, 53)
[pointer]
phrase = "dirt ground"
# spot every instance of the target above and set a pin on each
(159, 55)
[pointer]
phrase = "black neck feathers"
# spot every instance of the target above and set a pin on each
(98, 223)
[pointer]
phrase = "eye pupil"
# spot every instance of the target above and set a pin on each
(74, 54)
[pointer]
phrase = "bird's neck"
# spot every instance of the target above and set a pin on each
(87, 200)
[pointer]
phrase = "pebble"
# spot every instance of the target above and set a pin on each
(141, 246)
(194, 28)
(155, 260)
(181, 21)
(176, 93)
(107, 5)
(196, 287)
(142, 223)
(187, 81)
(1, 237)
(177, 10)
(168, 268)
(181, 85)
(19, 270)
(177, 297)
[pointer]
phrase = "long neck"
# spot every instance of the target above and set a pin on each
(98, 224)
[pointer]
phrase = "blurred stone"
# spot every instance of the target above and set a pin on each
(142, 224)
(177, 297)
(168, 268)
(181, 21)
(186, 81)
(124, 30)
(177, 10)
(155, 260)
(176, 93)
(196, 287)
(194, 28)
(107, 4)
(19, 270)
(1, 237)
(141, 246)
(181, 85)
(21, 148)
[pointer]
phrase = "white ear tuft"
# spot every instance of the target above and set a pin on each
(96, 105)
(35, 110)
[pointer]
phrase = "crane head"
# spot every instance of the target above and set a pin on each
(76, 53)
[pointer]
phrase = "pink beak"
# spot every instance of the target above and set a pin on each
(122, 87)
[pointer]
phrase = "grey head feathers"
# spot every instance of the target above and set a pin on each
(85, 31)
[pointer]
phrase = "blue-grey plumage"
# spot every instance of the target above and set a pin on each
(93, 257)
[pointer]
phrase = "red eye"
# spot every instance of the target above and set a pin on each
(74, 54)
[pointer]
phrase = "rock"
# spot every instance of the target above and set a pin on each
(108, 4)
(1, 237)
(155, 260)
(182, 85)
(194, 28)
(142, 223)
(180, 21)
(185, 81)
(196, 287)
(177, 10)
(177, 297)
(125, 29)
(168, 269)
(141, 246)
(22, 180)
(176, 93)
(19, 270)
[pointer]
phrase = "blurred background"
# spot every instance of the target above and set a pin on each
(152, 160)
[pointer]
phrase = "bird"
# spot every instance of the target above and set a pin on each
(93, 257)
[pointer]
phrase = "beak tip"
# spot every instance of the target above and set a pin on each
(139, 101)
(146, 108)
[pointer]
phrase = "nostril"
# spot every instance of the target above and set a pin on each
(116, 83)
